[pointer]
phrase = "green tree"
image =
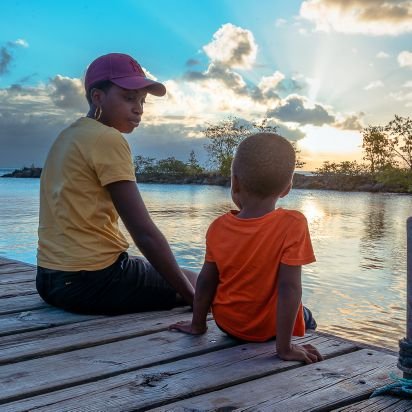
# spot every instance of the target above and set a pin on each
(400, 135)
(225, 136)
(377, 148)
(144, 165)
(171, 166)
(192, 165)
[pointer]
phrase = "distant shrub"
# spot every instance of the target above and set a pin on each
(397, 180)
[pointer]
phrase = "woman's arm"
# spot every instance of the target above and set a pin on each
(147, 237)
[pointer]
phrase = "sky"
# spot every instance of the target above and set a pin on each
(320, 70)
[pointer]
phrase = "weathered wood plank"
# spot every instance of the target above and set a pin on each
(38, 319)
(164, 383)
(17, 277)
(7, 261)
(15, 348)
(321, 386)
(379, 404)
(15, 268)
(21, 304)
(9, 290)
(36, 376)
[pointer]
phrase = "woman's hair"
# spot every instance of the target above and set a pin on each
(264, 164)
(104, 85)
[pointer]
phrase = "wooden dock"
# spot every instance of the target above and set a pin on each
(51, 360)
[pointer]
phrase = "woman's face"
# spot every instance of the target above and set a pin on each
(122, 108)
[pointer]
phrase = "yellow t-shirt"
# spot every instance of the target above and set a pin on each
(78, 224)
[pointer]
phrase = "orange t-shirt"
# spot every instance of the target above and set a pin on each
(248, 253)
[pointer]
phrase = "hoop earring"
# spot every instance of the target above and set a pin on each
(98, 113)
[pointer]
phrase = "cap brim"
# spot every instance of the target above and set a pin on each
(135, 83)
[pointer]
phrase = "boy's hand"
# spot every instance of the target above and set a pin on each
(189, 328)
(305, 353)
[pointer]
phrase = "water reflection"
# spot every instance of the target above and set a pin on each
(374, 231)
(356, 288)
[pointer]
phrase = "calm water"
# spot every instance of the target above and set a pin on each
(357, 287)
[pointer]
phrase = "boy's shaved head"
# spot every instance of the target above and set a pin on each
(264, 164)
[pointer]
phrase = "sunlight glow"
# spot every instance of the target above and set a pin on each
(312, 211)
(328, 139)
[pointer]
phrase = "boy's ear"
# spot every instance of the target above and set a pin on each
(235, 184)
(286, 191)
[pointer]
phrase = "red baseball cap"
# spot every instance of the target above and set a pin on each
(123, 71)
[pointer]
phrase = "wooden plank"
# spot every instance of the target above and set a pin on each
(21, 304)
(36, 376)
(164, 383)
(320, 386)
(17, 277)
(15, 348)
(379, 404)
(15, 267)
(38, 319)
(7, 261)
(9, 290)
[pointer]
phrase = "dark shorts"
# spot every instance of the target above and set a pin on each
(310, 324)
(129, 285)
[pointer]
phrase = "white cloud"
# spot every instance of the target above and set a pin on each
(280, 22)
(403, 96)
(232, 47)
(21, 43)
(382, 55)
(405, 59)
(407, 84)
(68, 93)
(268, 83)
(374, 85)
(373, 17)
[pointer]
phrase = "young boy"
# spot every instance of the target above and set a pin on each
(252, 270)
(87, 183)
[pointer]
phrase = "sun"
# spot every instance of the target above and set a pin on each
(328, 143)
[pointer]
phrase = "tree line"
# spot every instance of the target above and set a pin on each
(387, 158)
(223, 139)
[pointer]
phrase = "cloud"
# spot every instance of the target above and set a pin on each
(407, 84)
(382, 55)
(157, 140)
(233, 47)
(269, 84)
(405, 59)
(297, 109)
(5, 60)
(403, 96)
(68, 93)
(350, 122)
(29, 122)
(280, 22)
(374, 85)
(192, 62)
(371, 17)
(19, 43)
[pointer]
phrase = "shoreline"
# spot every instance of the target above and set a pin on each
(300, 181)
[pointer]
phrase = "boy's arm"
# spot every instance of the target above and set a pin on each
(205, 292)
(289, 299)
(147, 237)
